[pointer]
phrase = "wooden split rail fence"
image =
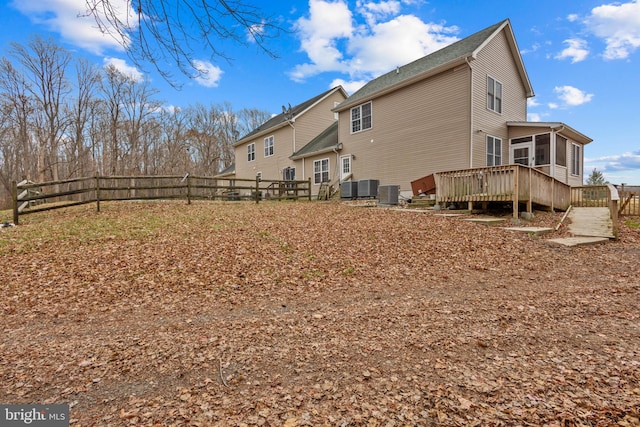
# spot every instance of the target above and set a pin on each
(29, 197)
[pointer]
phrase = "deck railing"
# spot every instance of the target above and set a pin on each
(508, 183)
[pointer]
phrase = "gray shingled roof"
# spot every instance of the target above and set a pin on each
(460, 49)
(280, 118)
(327, 140)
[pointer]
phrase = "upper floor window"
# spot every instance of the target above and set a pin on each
(268, 146)
(251, 152)
(361, 117)
(494, 95)
(494, 151)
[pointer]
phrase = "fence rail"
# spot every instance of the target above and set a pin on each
(29, 197)
(629, 200)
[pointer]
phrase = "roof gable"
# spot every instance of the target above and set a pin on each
(326, 141)
(289, 115)
(447, 57)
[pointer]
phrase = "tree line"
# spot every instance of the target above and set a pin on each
(64, 117)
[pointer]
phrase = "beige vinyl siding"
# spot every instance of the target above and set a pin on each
(271, 167)
(495, 60)
(313, 122)
(287, 139)
(418, 130)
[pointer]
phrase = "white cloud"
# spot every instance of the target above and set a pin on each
(350, 86)
(619, 25)
(572, 17)
(576, 50)
(532, 102)
(403, 39)
(534, 117)
(68, 18)
(210, 74)
(124, 68)
(552, 105)
(619, 162)
(571, 96)
(333, 42)
(255, 32)
(373, 12)
(319, 34)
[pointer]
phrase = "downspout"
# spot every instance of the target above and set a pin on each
(470, 113)
(294, 140)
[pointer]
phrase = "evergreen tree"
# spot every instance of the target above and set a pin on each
(596, 178)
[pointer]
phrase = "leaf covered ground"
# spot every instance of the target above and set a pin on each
(315, 314)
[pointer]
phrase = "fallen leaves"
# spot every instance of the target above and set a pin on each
(315, 314)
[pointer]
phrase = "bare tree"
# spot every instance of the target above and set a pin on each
(45, 64)
(169, 33)
(113, 88)
(81, 111)
(16, 108)
(138, 107)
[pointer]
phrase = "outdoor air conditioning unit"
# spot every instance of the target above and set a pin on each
(388, 194)
(349, 190)
(368, 188)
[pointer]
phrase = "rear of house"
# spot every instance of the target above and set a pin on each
(266, 152)
(457, 108)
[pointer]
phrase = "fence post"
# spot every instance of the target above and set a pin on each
(97, 192)
(188, 189)
(309, 187)
(257, 189)
(14, 197)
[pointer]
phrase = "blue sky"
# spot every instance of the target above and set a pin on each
(583, 57)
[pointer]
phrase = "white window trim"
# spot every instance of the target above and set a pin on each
(270, 139)
(576, 149)
(315, 182)
(359, 107)
(495, 82)
(495, 139)
(250, 152)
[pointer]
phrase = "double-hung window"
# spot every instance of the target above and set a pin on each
(576, 157)
(268, 146)
(251, 152)
(320, 171)
(494, 151)
(361, 117)
(494, 95)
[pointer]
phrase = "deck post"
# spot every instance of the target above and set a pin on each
(530, 201)
(515, 191)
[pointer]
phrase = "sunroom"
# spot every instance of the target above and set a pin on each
(553, 148)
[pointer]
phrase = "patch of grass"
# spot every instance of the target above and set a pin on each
(633, 223)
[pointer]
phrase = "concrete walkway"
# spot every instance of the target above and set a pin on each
(591, 222)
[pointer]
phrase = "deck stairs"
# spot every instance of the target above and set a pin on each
(591, 222)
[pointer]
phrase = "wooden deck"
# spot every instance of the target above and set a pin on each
(510, 183)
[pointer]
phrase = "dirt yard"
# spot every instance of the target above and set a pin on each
(236, 314)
